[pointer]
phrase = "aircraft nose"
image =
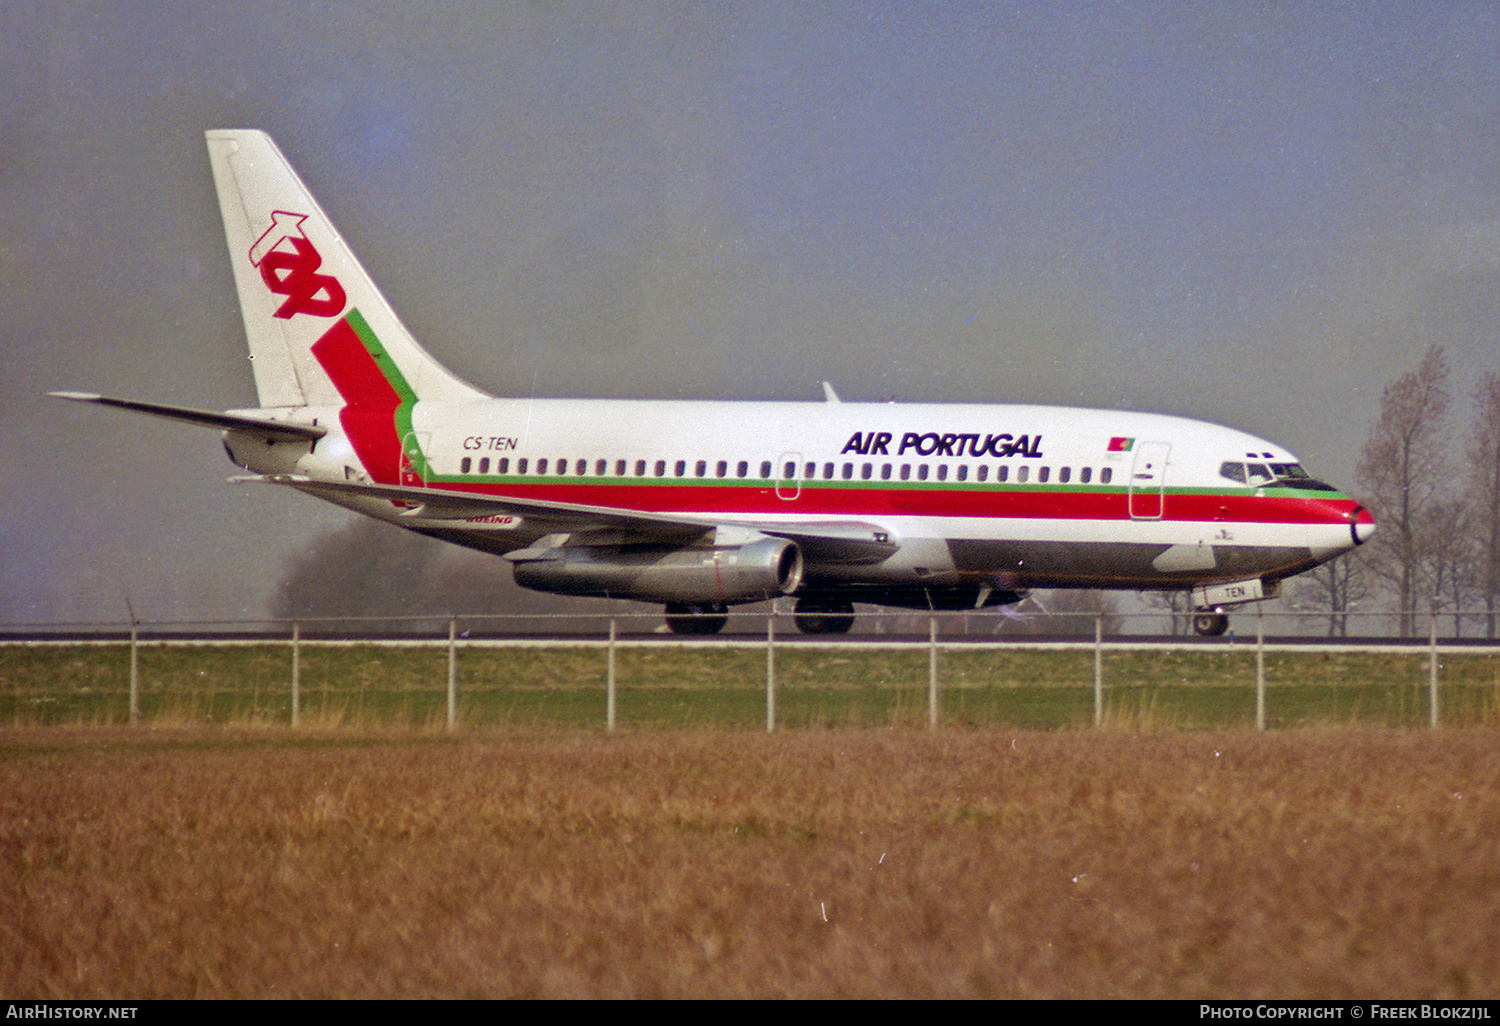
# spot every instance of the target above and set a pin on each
(1361, 524)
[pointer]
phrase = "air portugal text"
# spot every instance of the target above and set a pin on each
(877, 443)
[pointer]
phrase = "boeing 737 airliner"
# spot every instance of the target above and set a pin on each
(702, 505)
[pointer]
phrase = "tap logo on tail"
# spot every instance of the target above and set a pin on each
(289, 263)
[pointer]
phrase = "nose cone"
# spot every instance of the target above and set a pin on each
(1361, 524)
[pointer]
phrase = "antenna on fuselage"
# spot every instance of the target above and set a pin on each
(829, 394)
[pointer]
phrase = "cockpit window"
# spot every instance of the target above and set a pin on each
(1264, 475)
(1233, 471)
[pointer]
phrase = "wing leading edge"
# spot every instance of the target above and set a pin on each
(846, 541)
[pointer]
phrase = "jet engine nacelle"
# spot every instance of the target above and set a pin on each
(650, 573)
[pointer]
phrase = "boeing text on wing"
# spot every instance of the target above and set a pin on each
(702, 505)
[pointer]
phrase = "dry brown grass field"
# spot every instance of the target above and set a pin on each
(1327, 862)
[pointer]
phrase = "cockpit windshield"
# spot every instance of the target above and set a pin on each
(1267, 475)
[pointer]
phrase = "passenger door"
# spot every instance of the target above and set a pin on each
(1148, 480)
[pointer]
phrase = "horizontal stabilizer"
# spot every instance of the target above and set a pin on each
(273, 429)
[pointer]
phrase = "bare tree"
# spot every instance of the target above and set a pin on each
(1484, 495)
(1338, 586)
(1072, 612)
(1403, 466)
(1448, 549)
(1178, 603)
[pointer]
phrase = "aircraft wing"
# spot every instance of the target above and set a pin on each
(821, 541)
(271, 429)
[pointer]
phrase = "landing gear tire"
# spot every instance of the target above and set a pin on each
(823, 616)
(1210, 623)
(686, 619)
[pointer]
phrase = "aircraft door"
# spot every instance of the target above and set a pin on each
(788, 481)
(1148, 480)
(414, 460)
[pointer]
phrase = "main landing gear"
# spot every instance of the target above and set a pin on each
(823, 615)
(686, 619)
(812, 615)
(1210, 623)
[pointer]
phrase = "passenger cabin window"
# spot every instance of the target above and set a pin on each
(1085, 474)
(1021, 474)
(1106, 475)
(1043, 474)
(541, 466)
(463, 465)
(765, 470)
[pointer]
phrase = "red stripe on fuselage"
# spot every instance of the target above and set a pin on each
(997, 503)
(369, 414)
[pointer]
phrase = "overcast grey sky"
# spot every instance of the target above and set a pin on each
(1249, 213)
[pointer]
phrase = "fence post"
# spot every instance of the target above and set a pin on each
(1432, 671)
(296, 674)
(609, 684)
(771, 671)
(1260, 667)
(1098, 669)
(932, 673)
(135, 675)
(452, 674)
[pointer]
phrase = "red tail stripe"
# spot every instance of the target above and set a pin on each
(369, 418)
(353, 370)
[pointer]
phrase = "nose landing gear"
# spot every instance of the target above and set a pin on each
(1210, 623)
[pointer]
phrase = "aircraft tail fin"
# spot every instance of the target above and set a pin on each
(320, 332)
